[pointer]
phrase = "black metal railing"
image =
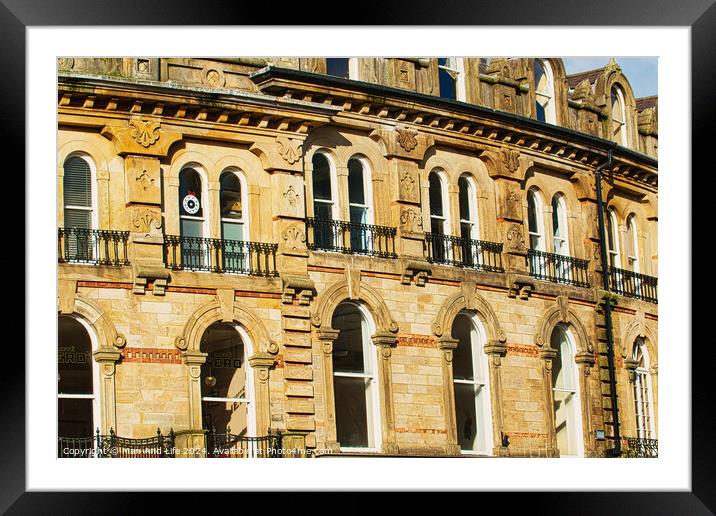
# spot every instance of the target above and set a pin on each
(92, 246)
(350, 237)
(113, 446)
(636, 447)
(558, 268)
(464, 252)
(228, 445)
(217, 255)
(633, 284)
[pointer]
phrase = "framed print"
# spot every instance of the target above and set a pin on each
(362, 264)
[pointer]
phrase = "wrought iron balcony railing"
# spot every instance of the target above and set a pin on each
(112, 446)
(633, 284)
(350, 237)
(558, 268)
(464, 252)
(92, 246)
(217, 255)
(228, 445)
(636, 447)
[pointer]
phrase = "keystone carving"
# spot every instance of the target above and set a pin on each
(406, 138)
(289, 149)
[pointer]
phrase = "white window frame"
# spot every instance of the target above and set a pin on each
(614, 254)
(545, 97)
(444, 219)
(367, 194)
(574, 397)
(473, 220)
(539, 218)
(204, 206)
(619, 121)
(93, 208)
(244, 220)
(560, 244)
(95, 396)
(457, 66)
(633, 259)
(248, 398)
(333, 202)
(480, 367)
(373, 422)
(643, 394)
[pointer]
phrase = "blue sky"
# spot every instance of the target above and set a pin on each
(640, 71)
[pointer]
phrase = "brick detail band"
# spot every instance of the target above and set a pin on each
(151, 355)
(103, 284)
(527, 435)
(421, 431)
(523, 351)
(417, 341)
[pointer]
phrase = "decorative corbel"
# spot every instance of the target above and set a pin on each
(143, 274)
(300, 287)
(521, 288)
(418, 270)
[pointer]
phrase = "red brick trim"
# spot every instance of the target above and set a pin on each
(151, 355)
(420, 431)
(192, 290)
(383, 275)
(528, 435)
(651, 317)
(103, 284)
(417, 341)
(319, 268)
(264, 295)
(522, 350)
(450, 283)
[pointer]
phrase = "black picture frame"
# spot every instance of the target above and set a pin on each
(16, 15)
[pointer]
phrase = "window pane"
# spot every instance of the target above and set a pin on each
(74, 358)
(348, 347)
(447, 84)
(190, 193)
(562, 421)
(437, 226)
(337, 67)
(78, 218)
(232, 231)
(464, 196)
(466, 416)
(231, 207)
(532, 213)
(321, 178)
(351, 397)
(436, 195)
(75, 417)
(192, 228)
(77, 184)
(356, 195)
(322, 211)
(462, 364)
(541, 115)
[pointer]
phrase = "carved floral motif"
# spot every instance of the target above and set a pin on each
(406, 138)
(292, 197)
(289, 149)
(410, 220)
(145, 180)
(515, 239)
(146, 221)
(510, 159)
(145, 132)
(294, 236)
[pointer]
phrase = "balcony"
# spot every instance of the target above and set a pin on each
(464, 252)
(636, 447)
(350, 238)
(92, 246)
(228, 445)
(112, 446)
(633, 284)
(217, 255)
(558, 268)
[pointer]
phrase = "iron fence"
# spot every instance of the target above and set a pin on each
(558, 268)
(114, 446)
(92, 246)
(218, 255)
(637, 447)
(228, 445)
(464, 252)
(633, 284)
(350, 237)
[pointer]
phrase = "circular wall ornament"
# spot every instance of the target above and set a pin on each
(191, 204)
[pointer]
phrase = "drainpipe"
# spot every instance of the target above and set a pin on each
(616, 451)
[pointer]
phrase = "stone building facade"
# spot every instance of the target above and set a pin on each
(392, 256)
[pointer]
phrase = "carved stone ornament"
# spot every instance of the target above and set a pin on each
(65, 63)
(214, 78)
(297, 287)
(294, 237)
(144, 132)
(510, 159)
(292, 197)
(408, 186)
(146, 221)
(501, 66)
(406, 138)
(145, 180)
(583, 92)
(418, 270)
(289, 149)
(515, 239)
(410, 221)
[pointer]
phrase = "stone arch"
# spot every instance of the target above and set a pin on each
(635, 329)
(215, 311)
(185, 157)
(342, 291)
(99, 320)
(100, 158)
(249, 165)
(560, 312)
(468, 300)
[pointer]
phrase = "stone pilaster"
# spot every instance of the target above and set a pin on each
(326, 338)
(194, 360)
(107, 359)
(496, 351)
(547, 355)
(385, 341)
(260, 364)
(448, 345)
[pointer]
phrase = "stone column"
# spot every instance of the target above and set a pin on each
(448, 345)
(495, 351)
(326, 338)
(260, 364)
(629, 429)
(547, 355)
(194, 360)
(585, 361)
(107, 359)
(385, 341)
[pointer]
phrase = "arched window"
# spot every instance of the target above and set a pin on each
(439, 223)
(544, 92)
(619, 125)
(467, 195)
(232, 201)
(324, 205)
(354, 382)
(338, 67)
(535, 220)
(195, 251)
(632, 243)
(226, 394)
(471, 383)
(643, 401)
(359, 205)
(565, 389)
(450, 78)
(79, 213)
(77, 394)
(612, 227)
